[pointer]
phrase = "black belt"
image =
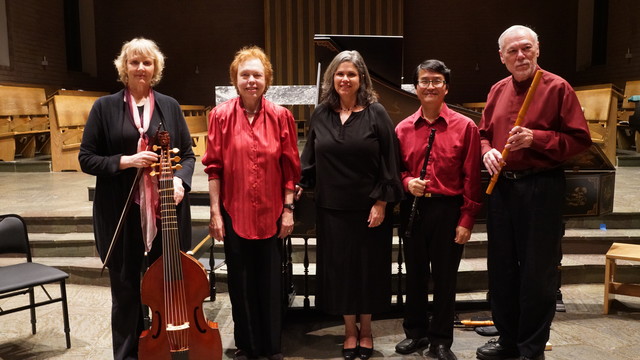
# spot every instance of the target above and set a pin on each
(434, 195)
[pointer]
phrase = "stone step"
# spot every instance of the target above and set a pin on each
(472, 273)
(37, 164)
(72, 244)
(65, 224)
(576, 241)
(629, 159)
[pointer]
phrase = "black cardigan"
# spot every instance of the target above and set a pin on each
(109, 134)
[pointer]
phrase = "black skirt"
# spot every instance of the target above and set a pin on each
(353, 263)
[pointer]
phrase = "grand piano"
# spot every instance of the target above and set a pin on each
(590, 175)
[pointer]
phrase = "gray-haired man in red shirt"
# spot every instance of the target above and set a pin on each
(525, 223)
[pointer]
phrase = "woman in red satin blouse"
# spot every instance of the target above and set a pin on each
(253, 165)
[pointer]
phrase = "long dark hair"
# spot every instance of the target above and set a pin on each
(366, 95)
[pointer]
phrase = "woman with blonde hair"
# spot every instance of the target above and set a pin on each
(115, 144)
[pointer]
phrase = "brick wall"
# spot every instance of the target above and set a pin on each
(465, 34)
(623, 34)
(200, 32)
(206, 34)
(36, 29)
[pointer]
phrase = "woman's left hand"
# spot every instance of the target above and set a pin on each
(376, 215)
(298, 192)
(286, 223)
(178, 190)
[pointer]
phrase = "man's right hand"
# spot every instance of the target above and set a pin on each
(416, 186)
(492, 160)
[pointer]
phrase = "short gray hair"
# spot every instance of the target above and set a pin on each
(515, 28)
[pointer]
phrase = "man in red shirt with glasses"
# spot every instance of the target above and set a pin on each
(446, 212)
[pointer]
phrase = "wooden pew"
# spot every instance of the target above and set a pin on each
(631, 88)
(600, 106)
(477, 106)
(196, 117)
(68, 114)
(24, 122)
(626, 135)
(79, 93)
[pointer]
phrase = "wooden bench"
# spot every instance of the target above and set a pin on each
(626, 135)
(24, 122)
(477, 106)
(619, 251)
(196, 117)
(79, 93)
(631, 88)
(600, 106)
(68, 114)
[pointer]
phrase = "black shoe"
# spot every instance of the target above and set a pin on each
(365, 352)
(350, 354)
(494, 351)
(277, 356)
(539, 357)
(407, 346)
(241, 355)
(442, 352)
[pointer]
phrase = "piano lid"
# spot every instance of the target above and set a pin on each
(382, 54)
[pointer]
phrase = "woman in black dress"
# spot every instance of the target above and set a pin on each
(350, 160)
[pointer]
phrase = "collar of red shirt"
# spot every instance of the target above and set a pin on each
(445, 114)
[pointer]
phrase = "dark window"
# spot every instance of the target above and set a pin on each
(600, 16)
(72, 34)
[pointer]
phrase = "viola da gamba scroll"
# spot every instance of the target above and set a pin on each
(175, 286)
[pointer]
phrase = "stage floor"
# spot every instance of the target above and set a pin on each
(580, 333)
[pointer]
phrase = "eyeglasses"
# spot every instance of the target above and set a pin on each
(436, 83)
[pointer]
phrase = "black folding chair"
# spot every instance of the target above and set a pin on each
(22, 278)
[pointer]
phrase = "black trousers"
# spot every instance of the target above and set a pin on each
(127, 315)
(432, 253)
(525, 228)
(255, 290)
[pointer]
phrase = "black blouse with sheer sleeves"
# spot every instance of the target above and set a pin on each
(351, 165)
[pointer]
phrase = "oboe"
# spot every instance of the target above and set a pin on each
(423, 173)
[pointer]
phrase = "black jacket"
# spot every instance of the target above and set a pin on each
(109, 134)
